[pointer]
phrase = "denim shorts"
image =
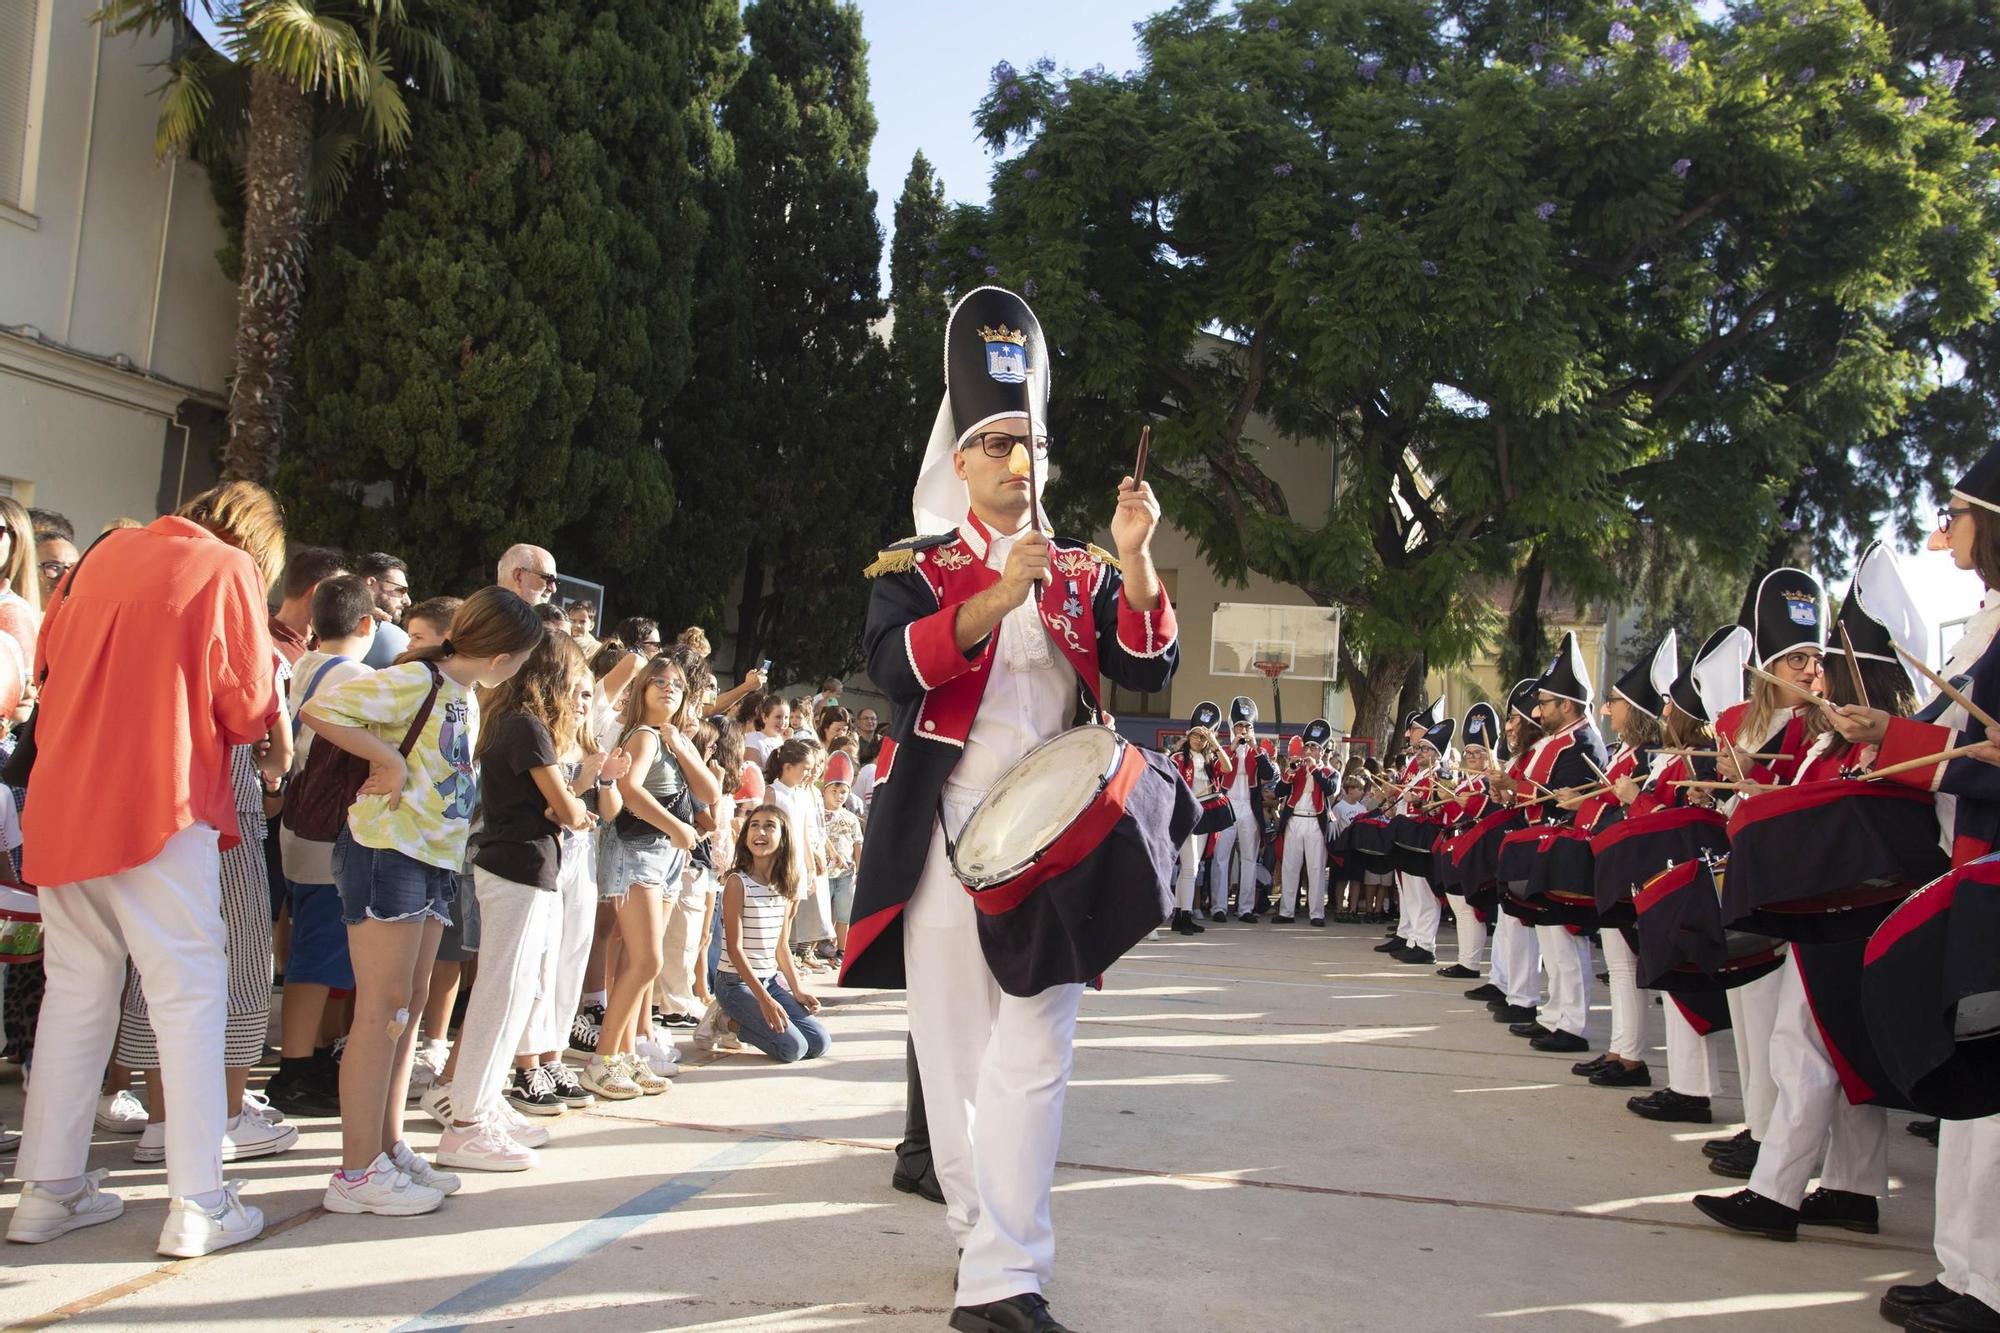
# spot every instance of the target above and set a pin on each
(377, 884)
(460, 941)
(621, 864)
(319, 938)
(841, 892)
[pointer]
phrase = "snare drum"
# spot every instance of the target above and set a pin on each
(1411, 838)
(20, 926)
(1930, 991)
(1214, 814)
(1071, 857)
(1370, 842)
(1635, 849)
(1829, 860)
(1475, 857)
(1683, 945)
(1545, 870)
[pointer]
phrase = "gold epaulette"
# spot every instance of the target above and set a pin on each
(892, 561)
(1105, 557)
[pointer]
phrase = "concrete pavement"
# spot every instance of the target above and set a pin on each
(1269, 1128)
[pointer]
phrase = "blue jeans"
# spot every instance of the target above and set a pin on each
(803, 1037)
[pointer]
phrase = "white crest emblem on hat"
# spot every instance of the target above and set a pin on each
(1803, 609)
(1006, 354)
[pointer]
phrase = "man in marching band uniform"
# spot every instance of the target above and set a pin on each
(1481, 734)
(1306, 791)
(1517, 954)
(989, 638)
(1206, 768)
(1236, 846)
(1428, 732)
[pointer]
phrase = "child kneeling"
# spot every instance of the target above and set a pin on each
(757, 992)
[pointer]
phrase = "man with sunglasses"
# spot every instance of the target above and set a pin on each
(388, 580)
(529, 573)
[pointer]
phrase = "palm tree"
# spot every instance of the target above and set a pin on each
(304, 87)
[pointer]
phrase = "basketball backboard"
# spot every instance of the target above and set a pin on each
(1306, 639)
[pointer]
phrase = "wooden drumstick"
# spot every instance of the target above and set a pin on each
(1854, 667)
(1941, 757)
(1950, 691)
(1751, 787)
(1145, 444)
(1602, 776)
(1717, 754)
(1784, 684)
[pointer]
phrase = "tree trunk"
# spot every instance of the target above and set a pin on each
(750, 611)
(1527, 649)
(1374, 690)
(274, 257)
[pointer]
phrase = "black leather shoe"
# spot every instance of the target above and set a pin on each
(1218, 914)
(1319, 921)
(1717, 1147)
(1737, 1164)
(1529, 1029)
(1902, 1302)
(1666, 1104)
(1585, 1068)
(925, 1186)
(1027, 1313)
(1182, 924)
(1560, 1043)
(1458, 972)
(1927, 1130)
(1514, 1013)
(1616, 1074)
(1967, 1314)
(1843, 1209)
(1391, 945)
(1414, 955)
(1251, 917)
(1194, 924)
(1284, 920)
(1747, 1210)
(1489, 993)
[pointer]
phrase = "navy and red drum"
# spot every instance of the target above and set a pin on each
(1829, 860)
(1930, 991)
(1071, 857)
(1475, 856)
(1546, 870)
(1214, 815)
(1683, 945)
(1632, 851)
(1411, 838)
(1370, 843)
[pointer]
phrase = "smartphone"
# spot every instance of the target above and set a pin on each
(764, 667)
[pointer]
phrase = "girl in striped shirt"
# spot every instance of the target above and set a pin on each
(758, 997)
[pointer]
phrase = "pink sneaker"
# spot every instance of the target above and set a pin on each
(483, 1147)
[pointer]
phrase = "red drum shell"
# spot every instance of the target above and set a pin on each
(1827, 861)
(1683, 945)
(1639, 847)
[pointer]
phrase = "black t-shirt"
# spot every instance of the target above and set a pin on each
(518, 840)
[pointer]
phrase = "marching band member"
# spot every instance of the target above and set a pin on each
(1421, 912)
(1517, 954)
(1206, 768)
(989, 639)
(1236, 846)
(1307, 790)
(1482, 739)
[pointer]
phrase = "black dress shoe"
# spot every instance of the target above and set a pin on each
(1747, 1210)
(1967, 1314)
(1514, 1013)
(1283, 920)
(1251, 917)
(1218, 914)
(1027, 1313)
(1668, 1105)
(1319, 921)
(1927, 1130)
(1901, 1302)
(1737, 1164)
(1529, 1029)
(1458, 972)
(1183, 924)
(925, 1186)
(1717, 1147)
(1414, 955)
(1489, 993)
(1843, 1209)
(1560, 1043)
(1391, 945)
(1585, 1068)
(1616, 1074)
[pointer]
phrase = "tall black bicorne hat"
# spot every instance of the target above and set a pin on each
(996, 363)
(1981, 486)
(1791, 614)
(1438, 735)
(1427, 717)
(1567, 676)
(1482, 727)
(1205, 714)
(1317, 731)
(1646, 685)
(1521, 699)
(1243, 709)
(1714, 679)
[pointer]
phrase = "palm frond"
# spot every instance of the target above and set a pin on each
(313, 50)
(423, 56)
(140, 16)
(336, 150)
(383, 109)
(185, 102)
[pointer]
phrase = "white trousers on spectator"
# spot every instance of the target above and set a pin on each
(1752, 1011)
(1628, 1006)
(1968, 1206)
(1567, 958)
(684, 909)
(1190, 871)
(1812, 1110)
(812, 922)
(995, 1069)
(1517, 961)
(166, 914)
(1471, 933)
(1305, 850)
(1235, 846)
(1420, 909)
(554, 1008)
(520, 934)
(1693, 1063)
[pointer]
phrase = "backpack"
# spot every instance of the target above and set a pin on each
(316, 802)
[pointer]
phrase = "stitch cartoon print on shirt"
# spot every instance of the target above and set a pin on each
(457, 788)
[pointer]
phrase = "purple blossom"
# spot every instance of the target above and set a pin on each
(1272, 25)
(1369, 65)
(930, 246)
(1792, 525)
(1060, 97)
(1594, 66)
(1536, 51)
(1912, 105)
(1545, 210)
(1948, 72)
(1726, 289)
(1414, 75)
(1804, 76)
(1951, 229)
(1560, 76)
(1681, 165)
(1620, 34)
(1282, 169)
(1311, 64)
(1980, 126)
(1003, 73)
(1012, 92)
(974, 252)
(1675, 52)
(1430, 269)
(992, 271)
(1625, 4)
(1796, 19)
(1808, 471)
(1032, 174)
(1354, 232)
(1046, 65)
(1030, 288)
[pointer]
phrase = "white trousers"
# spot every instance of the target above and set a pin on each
(1752, 1011)
(1471, 933)
(1517, 961)
(1567, 958)
(1628, 1005)
(1420, 911)
(1968, 1206)
(1305, 850)
(520, 935)
(1693, 1061)
(684, 910)
(1235, 846)
(1812, 1110)
(166, 914)
(995, 1069)
(1190, 871)
(554, 1008)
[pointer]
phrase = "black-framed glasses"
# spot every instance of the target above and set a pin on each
(396, 589)
(1801, 659)
(1947, 513)
(548, 580)
(1000, 443)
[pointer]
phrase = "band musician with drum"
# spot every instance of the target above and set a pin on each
(993, 639)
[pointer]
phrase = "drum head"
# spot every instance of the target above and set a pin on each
(1032, 804)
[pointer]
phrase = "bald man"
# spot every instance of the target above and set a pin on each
(529, 572)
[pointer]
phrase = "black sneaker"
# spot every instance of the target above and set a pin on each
(681, 1021)
(583, 1031)
(1284, 920)
(300, 1094)
(533, 1092)
(1319, 921)
(568, 1087)
(1251, 917)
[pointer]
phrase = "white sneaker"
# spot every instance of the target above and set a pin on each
(10, 1139)
(663, 1060)
(484, 1147)
(519, 1128)
(608, 1079)
(416, 1168)
(248, 1136)
(121, 1113)
(385, 1189)
(257, 1104)
(436, 1104)
(641, 1073)
(40, 1215)
(152, 1144)
(427, 1066)
(191, 1230)
(710, 1027)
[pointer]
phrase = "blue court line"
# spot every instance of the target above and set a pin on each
(525, 1274)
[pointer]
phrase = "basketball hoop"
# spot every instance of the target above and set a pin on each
(1271, 668)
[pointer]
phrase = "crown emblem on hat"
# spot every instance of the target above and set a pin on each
(1003, 334)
